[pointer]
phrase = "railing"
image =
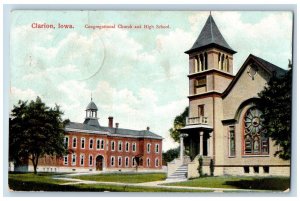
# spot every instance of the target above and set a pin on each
(196, 120)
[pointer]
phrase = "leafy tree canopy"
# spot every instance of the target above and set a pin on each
(179, 122)
(276, 101)
(35, 130)
(170, 155)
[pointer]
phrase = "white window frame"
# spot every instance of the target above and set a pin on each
(102, 142)
(133, 162)
(112, 161)
(120, 143)
(134, 147)
(156, 148)
(81, 159)
(82, 140)
(91, 162)
(148, 162)
(91, 139)
(66, 141)
(113, 148)
(66, 162)
(156, 162)
(74, 138)
(73, 159)
(127, 145)
(98, 140)
(126, 161)
(119, 157)
(148, 147)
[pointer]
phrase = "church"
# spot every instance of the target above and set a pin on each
(224, 125)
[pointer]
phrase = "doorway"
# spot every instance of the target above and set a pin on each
(99, 163)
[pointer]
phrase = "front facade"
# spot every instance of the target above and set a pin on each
(97, 148)
(225, 123)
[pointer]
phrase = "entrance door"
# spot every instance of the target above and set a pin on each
(99, 163)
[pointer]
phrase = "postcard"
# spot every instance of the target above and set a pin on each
(150, 101)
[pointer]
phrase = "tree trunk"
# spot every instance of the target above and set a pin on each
(35, 160)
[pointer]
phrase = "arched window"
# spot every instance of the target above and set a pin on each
(226, 63)
(255, 140)
(201, 62)
(206, 61)
(222, 62)
(219, 60)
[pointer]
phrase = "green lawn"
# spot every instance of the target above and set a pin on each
(124, 177)
(45, 182)
(259, 183)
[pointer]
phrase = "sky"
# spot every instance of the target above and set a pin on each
(138, 76)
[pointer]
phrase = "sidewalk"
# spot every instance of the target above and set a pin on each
(155, 184)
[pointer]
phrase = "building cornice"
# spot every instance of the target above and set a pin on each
(211, 71)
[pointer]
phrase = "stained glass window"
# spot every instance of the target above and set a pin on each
(255, 139)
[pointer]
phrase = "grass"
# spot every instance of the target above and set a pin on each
(45, 182)
(124, 177)
(258, 183)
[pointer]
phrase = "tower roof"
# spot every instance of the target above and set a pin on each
(210, 36)
(91, 106)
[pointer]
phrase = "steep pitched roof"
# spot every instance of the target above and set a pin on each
(210, 36)
(269, 67)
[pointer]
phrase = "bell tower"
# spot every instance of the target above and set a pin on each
(210, 61)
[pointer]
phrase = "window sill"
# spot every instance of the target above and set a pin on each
(250, 156)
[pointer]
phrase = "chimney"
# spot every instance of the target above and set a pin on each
(148, 128)
(117, 125)
(110, 122)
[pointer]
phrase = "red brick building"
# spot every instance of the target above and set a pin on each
(99, 148)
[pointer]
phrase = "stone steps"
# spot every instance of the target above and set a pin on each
(179, 174)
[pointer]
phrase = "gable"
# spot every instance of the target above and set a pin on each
(249, 81)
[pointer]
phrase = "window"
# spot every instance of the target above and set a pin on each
(200, 82)
(91, 160)
(256, 141)
(126, 161)
(266, 169)
(66, 142)
(66, 160)
(200, 110)
(82, 142)
(256, 169)
(148, 162)
(133, 162)
(246, 169)
(120, 161)
(148, 148)
(74, 142)
(156, 148)
(112, 161)
(73, 159)
(133, 147)
(120, 145)
(113, 145)
(81, 159)
(98, 144)
(156, 162)
(101, 144)
(91, 143)
(127, 146)
(231, 141)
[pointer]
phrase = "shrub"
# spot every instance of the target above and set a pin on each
(200, 167)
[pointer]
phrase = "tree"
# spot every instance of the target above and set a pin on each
(200, 166)
(276, 107)
(170, 155)
(35, 130)
(179, 122)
